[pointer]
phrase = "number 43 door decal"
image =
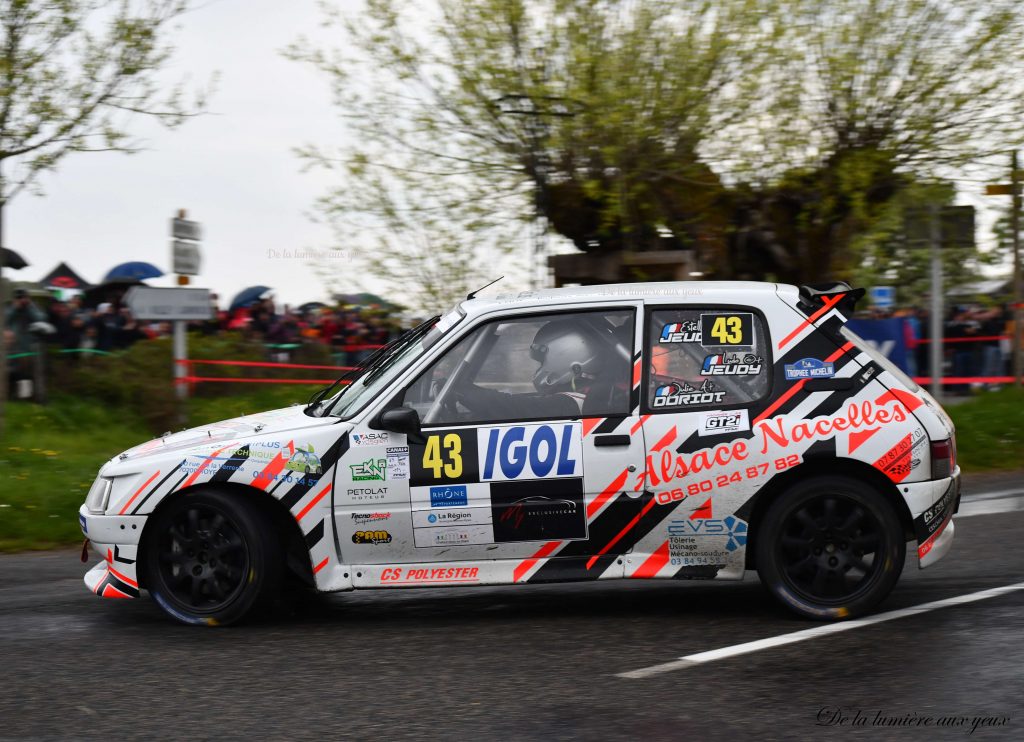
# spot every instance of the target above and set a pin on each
(730, 330)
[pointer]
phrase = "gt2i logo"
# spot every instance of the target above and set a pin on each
(720, 423)
(371, 537)
(684, 395)
(532, 452)
(443, 456)
(731, 365)
(730, 526)
(680, 332)
(727, 329)
(371, 470)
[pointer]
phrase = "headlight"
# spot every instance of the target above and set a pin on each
(99, 495)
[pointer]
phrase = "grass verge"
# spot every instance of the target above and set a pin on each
(50, 456)
(990, 431)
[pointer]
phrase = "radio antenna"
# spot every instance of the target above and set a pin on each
(472, 294)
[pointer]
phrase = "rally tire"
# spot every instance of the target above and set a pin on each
(211, 558)
(830, 548)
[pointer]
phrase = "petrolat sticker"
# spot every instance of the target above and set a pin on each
(364, 494)
(810, 368)
(719, 423)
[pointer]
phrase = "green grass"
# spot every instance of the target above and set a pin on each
(51, 454)
(990, 431)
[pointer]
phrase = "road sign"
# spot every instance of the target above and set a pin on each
(149, 303)
(183, 229)
(956, 226)
(185, 258)
(883, 297)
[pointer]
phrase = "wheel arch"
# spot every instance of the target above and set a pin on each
(287, 528)
(755, 508)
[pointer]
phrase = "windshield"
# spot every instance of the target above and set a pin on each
(351, 398)
(878, 358)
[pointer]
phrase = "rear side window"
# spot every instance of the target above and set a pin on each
(706, 358)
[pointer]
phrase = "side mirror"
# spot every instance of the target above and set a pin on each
(401, 420)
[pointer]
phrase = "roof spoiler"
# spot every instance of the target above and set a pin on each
(816, 297)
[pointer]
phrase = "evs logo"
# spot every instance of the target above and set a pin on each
(730, 526)
(810, 368)
(452, 496)
(531, 452)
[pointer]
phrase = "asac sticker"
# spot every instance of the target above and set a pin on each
(372, 438)
(531, 452)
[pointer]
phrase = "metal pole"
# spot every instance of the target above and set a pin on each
(935, 237)
(1018, 281)
(180, 370)
(3, 316)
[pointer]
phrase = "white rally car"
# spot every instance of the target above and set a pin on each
(668, 431)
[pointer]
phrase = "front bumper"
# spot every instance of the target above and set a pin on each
(932, 506)
(116, 539)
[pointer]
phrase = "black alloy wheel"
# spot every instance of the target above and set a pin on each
(210, 558)
(830, 547)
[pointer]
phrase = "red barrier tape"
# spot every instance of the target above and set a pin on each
(195, 379)
(259, 364)
(966, 379)
(978, 339)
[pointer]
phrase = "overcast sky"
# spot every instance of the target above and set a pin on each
(233, 170)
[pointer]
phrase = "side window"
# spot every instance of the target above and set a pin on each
(706, 358)
(563, 365)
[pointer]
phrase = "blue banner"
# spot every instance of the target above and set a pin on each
(889, 336)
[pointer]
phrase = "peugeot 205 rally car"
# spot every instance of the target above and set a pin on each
(669, 431)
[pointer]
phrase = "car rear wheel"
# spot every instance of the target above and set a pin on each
(830, 548)
(211, 558)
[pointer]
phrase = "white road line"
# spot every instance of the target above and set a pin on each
(991, 495)
(799, 636)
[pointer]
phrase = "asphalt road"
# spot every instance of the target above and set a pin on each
(535, 662)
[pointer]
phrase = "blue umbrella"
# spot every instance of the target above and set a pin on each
(248, 296)
(135, 269)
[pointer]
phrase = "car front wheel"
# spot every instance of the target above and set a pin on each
(211, 558)
(830, 548)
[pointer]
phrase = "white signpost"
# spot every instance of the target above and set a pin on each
(170, 305)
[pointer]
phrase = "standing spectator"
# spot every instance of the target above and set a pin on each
(20, 316)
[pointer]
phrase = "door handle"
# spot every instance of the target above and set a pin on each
(611, 440)
(829, 385)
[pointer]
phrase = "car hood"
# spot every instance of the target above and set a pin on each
(205, 438)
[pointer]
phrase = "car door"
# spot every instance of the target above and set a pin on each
(529, 435)
(708, 365)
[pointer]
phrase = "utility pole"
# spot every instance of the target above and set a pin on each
(935, 239)
(1018, 280)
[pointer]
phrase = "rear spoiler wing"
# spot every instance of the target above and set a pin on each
(817, 298)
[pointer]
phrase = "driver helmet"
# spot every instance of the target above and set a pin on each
(568, 354)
